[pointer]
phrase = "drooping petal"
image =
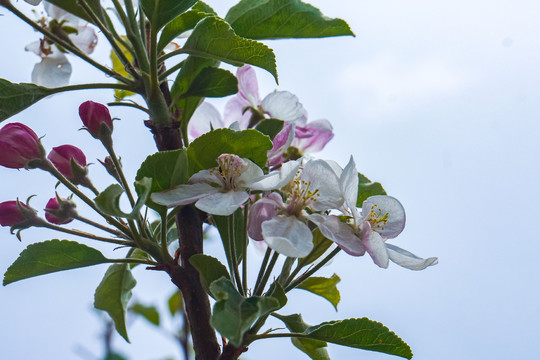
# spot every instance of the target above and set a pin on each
(313, 136)
(284, 106)
(288, 236)
(280, 144)
(264, 209)
(52, 71)
(374, 245)
(386, 215)
(205, 118)
(183, 194)
(204, 176)
(321, 176)
(340, 233)
(348, 182)
(222, 203)
(409, 260)
(277, 179)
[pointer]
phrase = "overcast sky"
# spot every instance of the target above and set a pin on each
(439, 101)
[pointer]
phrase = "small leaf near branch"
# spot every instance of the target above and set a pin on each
(150, 313)
(161, 12)
(179, 25)
(52, 256)
(210, 269)
(113, 293)
(109, 200)
(324, 287)
(366, 188)
(315, 349)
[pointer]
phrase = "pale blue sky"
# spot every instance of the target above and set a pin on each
(439, 101)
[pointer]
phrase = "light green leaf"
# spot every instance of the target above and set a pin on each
(210, 269)
(320, 245)
(150, 313)
(119, 68)
(315, 349)
(214, 38)
(52, 256)
(179, 25)
(366, 188)
(325, 287)
(212, 82)
(204, 150)
(15, 98)
(160, 12)
(175, 302)
(113, 293)
(109, 200)
(204, 7)
(282, 19)
(362, 334)
(233, 314)
(276, 291)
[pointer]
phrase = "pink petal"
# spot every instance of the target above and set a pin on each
(313, 136)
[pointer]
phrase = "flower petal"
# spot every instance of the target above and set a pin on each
(284, 106)
(348, 182)
(288, 236)
(321, 176)
(248, 86)
(376, 207)
(222, 203)
(409, 260)
(183, 194)
(86, 39)
(280, 144)
(277, 179)
(375, 246)
(264, 209)
(52, 71)
(313, 136)
(340, 233)
(205, 118)
(236, 111)
(250, 173)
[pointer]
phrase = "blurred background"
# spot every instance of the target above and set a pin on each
(438, 101)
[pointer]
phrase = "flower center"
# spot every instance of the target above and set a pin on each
(229, 169)
(301, 196)
(376, 218)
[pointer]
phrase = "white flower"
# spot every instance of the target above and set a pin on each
(223, 189)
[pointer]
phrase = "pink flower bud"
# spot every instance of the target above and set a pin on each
(59, 213)
(18, 146)
(61, 157)
(12, 213)
(96, 118)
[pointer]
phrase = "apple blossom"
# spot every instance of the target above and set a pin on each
(19, 146)
(96, 118)
(223, 189)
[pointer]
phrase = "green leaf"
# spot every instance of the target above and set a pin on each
(150, 313)
(15, 98)
(366, 188)
(212, 82)
(179, 25)
(109, 200)
(52, 256)
(320, 245)
(204, 150)
(233, 314)
(115, 356)
(214, 38)
(325, 287)
(113, 293)
(204, 7)
(222, 224)
(270, 127)
(362, 334)
(315, 349)
(139, 254)
(210, 269)
(277, 292)
(175, 303)
(283, 19)
(161, 12)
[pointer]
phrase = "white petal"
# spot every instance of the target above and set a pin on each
(248, 86)
(264, 209)
(86, 39)
(322, 177)
(53, 11)
(250, 173)
(380, 205)
(205, 118)
(52, 72)
(222, 203)
(284, 106)
(288, 236)
(34, 47)
(375, 246)
(277, 179)
(204, 176)
(348, 183)
(340, 233)
(234, 112)
(409, 260)
(183, 194)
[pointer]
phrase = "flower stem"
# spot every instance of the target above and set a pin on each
(244, 250)
(232, 251)
(308, 273)
(259, 289)
(86, 235)
(99, 226)
(263, 267)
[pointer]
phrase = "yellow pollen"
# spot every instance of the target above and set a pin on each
(376, 217)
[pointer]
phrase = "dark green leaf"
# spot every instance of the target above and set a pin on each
(175, 303)
(212, 82)
(15, 98)
(204, 150)
(320, 245)
(113, 293)
(233, 314)
(150, 313)
(315, 349)
(204, 7)
(179, 25)
(214, 38)
(366, 188)
(277, 292)
(362, 334)
(282, 19)
(325, 287)
(222, 223)
(209, 268)
(270, 127)
(160, 12)
(109, 200)
(51, 256)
